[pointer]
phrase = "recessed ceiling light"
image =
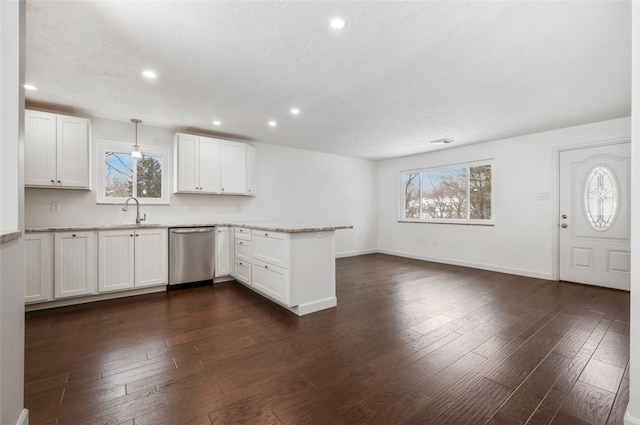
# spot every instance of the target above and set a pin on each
(30, 87)
(272, 123)
(149, 74)
(295, 111)
(337, 23)
(441, 141)
(217, 123)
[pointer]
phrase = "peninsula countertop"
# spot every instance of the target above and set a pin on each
(270, 227)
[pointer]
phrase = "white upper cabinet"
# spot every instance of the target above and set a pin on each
(233, 168)
(212, 166)
(196, 164)
(56, 151)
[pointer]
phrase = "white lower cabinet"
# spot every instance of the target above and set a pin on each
(75, 264)
(132, 259)
(151, 258)
(272, 281)
(38, 267)
(242, 271)
(223, 252)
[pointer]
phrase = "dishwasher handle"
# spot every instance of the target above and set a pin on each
(196, 230)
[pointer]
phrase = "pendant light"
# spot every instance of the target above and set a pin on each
(135, 150)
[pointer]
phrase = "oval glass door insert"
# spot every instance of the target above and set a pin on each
(600, 198)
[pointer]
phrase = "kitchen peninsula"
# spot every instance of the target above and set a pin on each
(292, 265)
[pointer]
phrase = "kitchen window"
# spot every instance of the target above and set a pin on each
(453, 194)
(121, 176)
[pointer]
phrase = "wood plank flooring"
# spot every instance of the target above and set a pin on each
(410, 342)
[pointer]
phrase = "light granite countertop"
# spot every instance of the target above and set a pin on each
(8, 236)
(271, 227)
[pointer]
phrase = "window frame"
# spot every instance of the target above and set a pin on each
(464, 221)
(103, 146)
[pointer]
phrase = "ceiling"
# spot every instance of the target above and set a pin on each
(399, 75)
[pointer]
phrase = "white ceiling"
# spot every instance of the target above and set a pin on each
(398, 76)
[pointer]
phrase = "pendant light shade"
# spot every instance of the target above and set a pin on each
(136, 152)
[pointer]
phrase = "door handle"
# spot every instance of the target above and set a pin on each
(564, 225)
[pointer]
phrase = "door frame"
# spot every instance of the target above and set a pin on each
(555, 249)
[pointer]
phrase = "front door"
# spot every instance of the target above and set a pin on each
(594, 216)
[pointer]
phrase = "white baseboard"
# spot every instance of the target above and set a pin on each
(24, 418)
(630, 420)
(482, 266)
(312, 307)
(356, 253)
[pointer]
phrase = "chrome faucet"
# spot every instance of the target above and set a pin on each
(138, 218)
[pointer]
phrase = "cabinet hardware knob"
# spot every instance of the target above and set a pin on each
(249, 190)
(137, 236)
(59, 181)
(222, 189)
(564, 225)
(266, 234)
(240, 263)
(130, 236)
(266, 267)
(53, 181)
(73, 235)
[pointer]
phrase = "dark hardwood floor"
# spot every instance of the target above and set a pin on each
(410, 342)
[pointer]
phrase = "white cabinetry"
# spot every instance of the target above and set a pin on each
(242, 255)
(238, 169)
(197, 164)
(296, 270)
(270, 266)
(56, 151)
(75, 264)
(223, 252)
(38, 267)
(132, 259)
(213, 166)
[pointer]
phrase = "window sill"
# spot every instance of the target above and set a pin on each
(457, 223)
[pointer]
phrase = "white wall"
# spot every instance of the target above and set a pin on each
(633, 412)
(294, 186)
(522, 240)
(11, 253)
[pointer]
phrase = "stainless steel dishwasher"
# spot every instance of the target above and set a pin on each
(191, 254)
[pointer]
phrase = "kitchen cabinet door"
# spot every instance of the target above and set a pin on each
(151, 257)
(38, 267)
(252, 171)
(223, 252)
(209, 165)
(39, 148)
(116, 259)
(72, 160)
(233, 168)
(75, 264)
(187, 163)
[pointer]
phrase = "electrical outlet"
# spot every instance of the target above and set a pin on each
(55, 206)
(543, 196)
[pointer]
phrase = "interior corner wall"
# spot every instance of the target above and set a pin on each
(12, 19)
(294, 186)
(524, 170)
(633, 409)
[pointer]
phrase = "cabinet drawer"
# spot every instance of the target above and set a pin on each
(271, 248)
(272, 281)
(242, 271)
(243, 250)
(244, 234)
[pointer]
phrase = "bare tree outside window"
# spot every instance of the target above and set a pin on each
(119, 175)
(412, 195)
(462, 193)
